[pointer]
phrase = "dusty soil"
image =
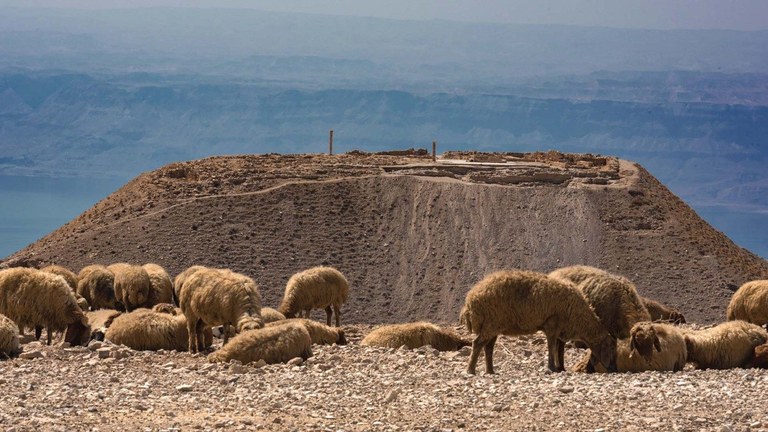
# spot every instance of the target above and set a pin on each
(412, 235)
(357, 388)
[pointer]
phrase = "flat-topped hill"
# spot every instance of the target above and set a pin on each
(411, 234)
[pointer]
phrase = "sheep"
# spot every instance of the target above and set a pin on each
(71, 279)
(522, 302)
(100, 320)
(269, 315)
(132, 285)
(161, 286)
(414, 335)
(727, 345)
(320, 333)
(9, 338)
(635, 354)
(315, 288)
(214, 297)
(182, 277)
(662, 313)
(614, 298)
(34, 298)
(166, 308)
(147, 330)
(96, 284)
(276, 344)
(760, 358)
(750, 303)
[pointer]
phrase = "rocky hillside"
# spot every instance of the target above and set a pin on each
(411, 234)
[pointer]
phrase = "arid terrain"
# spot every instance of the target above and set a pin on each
(412, 236)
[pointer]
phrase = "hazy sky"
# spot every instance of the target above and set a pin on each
(659, 14)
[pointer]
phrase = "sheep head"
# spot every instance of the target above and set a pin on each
(605, 353)
(643, 339)
(78, 332)
(342, 340)
(760, 360)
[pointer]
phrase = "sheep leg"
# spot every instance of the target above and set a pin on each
(489, 355)
(192, 332)
(225, 330)
(477, 346)
(554, 363)
(328, 313)
(201, 336)
(50, 333)
(561, 353)
(38, 332)
(337, 311)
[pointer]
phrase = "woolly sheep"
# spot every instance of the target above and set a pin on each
(182, 277)
(147, 330)
(727, 345)
(96, 284)
(521, 302)
(71, 279)
(320, 333)
(662, 313)
(636, 354)
(760, 358)
(276, 344)
(132, 285)
(269, 315)
(219, 297)
(166, 308)
(161, 286)
(9, 338)
(614, 298)
(750, 303)
(414, 335)
(100, 320)
(315, 288)
(33, 298)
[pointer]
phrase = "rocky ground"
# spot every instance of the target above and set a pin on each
(360, 388)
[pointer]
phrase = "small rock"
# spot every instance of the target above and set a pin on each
(391, 396)
(566, 389)
(237, 368)
(104, 352)
(259, 364)
(29, 355)
(296, 361)
(727, 428)
(184, 388)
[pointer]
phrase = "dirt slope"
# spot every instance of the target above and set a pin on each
(412, 235)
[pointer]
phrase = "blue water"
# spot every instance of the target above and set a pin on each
(31, 207)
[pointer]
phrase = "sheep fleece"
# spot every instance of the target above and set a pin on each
(276, 344)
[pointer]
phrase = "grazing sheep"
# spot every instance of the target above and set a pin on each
(269, 315)
(9, 338)
(182, 277)
(276, 344)
(727, 345)
(33, 298)
(636, 354)
(760, 359)
(614, 298)
(161, 286)
(315, 288)
(215, 297)
(71, 279)
(147, 330)
(320, 333)
(100, 320)
(521, 302)
(96, 284)
(166, 308)
(750, 303)
(414, 335)
(132, 285)
(662, 313)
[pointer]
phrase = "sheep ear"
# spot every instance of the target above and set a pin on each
(632, 347)
(657, 343)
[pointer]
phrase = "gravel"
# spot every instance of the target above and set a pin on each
(355, 388)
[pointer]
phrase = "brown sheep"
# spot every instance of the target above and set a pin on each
(521, 302)
(650, 347)
(166, 308)
(9, 338)
(315, 288)
(132, 285)
(161, 286)
(750, 303)
(269, 315)
(414, 335)
(760, 358)
(182, 277)
(276, 344)
(146, 330)
(320, 333)
(725, 346)
(662, 313)
(96, 284)
(33, 298)
(219, 297)
(64, 272)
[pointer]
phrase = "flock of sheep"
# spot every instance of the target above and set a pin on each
(141, 307)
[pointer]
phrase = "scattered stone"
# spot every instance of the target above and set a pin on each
(184, 388)
(296, 361)
(29, 355)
